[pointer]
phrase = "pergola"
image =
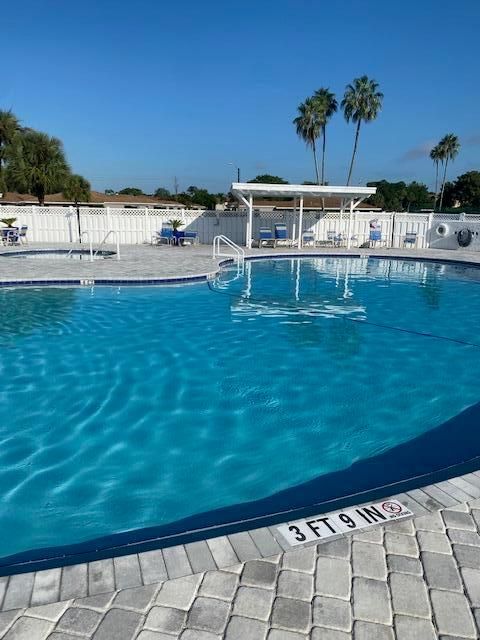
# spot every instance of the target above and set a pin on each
(350, 198)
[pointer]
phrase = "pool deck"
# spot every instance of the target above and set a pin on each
(413, 579)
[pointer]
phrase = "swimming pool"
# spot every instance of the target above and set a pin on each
(57, 254)
(141, 412)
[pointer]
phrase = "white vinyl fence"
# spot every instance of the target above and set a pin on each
(137, 226)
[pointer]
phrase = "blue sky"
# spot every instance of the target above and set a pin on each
(144, 91)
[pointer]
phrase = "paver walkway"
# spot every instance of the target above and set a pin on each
(413, 580)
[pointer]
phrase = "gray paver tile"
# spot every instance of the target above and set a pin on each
(166, 619)
(445, 499)
(29, 629)
(244, 546)
(222, 551)
(332, 613)
(138, 598)
(176, 561)
(436, 542)
(152, 566)
(371, 631)
(294, 615)
(253, 603)
(46, 587)
(452, 614)
(100, 577)
(405, 564)
(441, 571)
(155, 635)
(258, 573)
(118, 624)
(219, 584)
(59, 635)
(465, 555)
(455, 492)
(294, 584)
(432, 522)
(200, 556)
(265, 542)
(208, 614)
(74, 582)
(339, 548)
(7, 618)
(375, 535)
(19, 591)
(461, 536)
(458, 520)
(471, 580)
(79, 620)
(179, 593)
(301, 560)
(333, 578)
(470, 488)
(50, 612)
(281, 634)
(368, 560)
(127, 572)
(241, 628)
(401, 544)
(321, 633)
(408, 628)
(3, 588)
(409, 595)
(403, 526)
(100, 601)
(371, 601)
(425, 499)
(194, 634)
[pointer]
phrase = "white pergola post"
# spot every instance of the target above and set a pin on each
(248, 239)
(350, 218)
(294, 221)
(300, 223)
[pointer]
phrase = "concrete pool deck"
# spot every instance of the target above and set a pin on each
(418, 578)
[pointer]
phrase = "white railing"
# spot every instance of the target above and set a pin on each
(238, 253)
(107, 235)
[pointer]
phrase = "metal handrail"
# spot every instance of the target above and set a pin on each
(84, 233)
(239, 252)
(104, 241)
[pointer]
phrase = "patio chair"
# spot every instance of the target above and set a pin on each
(334, 238)
(308, 238)
(165, 235)
(410, 239)
(281, 235)
(265, 238)
(375, 236)
(22, 234)
(10, 236)
(187, 238)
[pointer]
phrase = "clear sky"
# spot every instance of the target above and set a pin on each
(144, 91)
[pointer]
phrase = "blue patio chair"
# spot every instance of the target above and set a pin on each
(334, 238)
(265, 237)
(281, 234)
(410, 239)
(22, 234)
(375, 236)
(165, 235)
(188, 238)
(308, 238)
(10, 236)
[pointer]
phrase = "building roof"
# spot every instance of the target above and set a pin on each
(97, 197)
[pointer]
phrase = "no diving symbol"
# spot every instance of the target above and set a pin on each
(391, 507)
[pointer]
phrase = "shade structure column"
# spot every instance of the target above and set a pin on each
(350, 219)
(300, 223)
(248, 239)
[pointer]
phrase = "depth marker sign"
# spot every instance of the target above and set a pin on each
(333, 524)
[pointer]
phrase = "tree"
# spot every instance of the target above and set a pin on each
(361, 103)
(161, 192)
(436, 156)
(131, 191)
(466, 189)
(390, 195)
(38, 166)
(308, 127)
(417, 196)
(109, 192)
(326, 105)
(77, 189)
(9, 129)
(266, 178)
(449, 148)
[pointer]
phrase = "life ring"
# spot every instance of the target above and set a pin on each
(442, 230)
(464, 237)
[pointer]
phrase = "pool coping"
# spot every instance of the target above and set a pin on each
(210, 553)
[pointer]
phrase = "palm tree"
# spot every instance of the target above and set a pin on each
(77, 189)
(361, 103)
(436, 156)
(326, 105)
(449, 148)
(40, 166)
(309, 127)
(9, 128)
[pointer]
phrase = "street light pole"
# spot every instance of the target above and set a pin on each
(237, 168)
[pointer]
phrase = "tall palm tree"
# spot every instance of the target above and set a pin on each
(436, 156)
(9, 128)
(309, 127)
(361, 103)
(449, 148)
(326, 105)
(40, 166)
(77, 189)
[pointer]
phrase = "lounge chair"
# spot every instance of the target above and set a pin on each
(308, 238)
(187, 238)
(265, 238)
(22, 234)
(165, 235)
(281, 235)
(410, 239)
(334, 238)
(10, 236)
(375, 236)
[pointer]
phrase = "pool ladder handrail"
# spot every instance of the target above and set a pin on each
(107, 235)
(239, 253)
(84, 233)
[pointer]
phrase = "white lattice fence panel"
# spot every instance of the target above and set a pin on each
(411, 223)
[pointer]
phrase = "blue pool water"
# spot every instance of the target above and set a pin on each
(133, 407)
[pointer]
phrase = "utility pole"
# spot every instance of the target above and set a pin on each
(175, 185)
